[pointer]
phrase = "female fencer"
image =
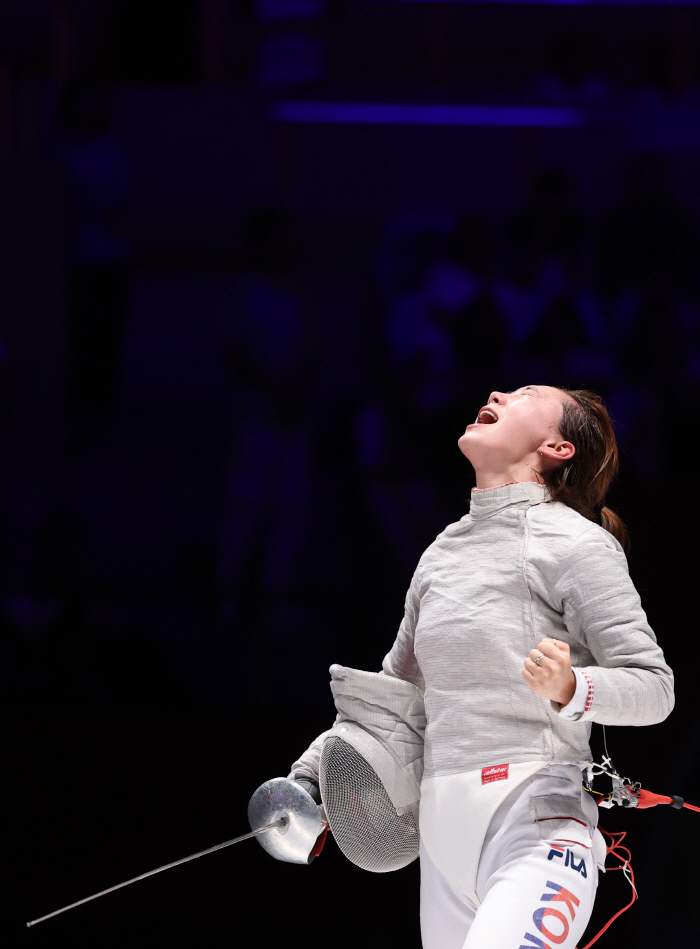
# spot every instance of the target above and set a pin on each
(521, 627)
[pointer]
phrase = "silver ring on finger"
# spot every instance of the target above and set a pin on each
(540, 658)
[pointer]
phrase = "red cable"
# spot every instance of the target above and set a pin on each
(613, 849)
(646, 799)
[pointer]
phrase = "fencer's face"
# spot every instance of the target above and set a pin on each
(514, 426)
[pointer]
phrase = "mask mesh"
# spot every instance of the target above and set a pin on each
(362, 818)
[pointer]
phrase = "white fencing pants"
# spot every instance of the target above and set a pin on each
(535, 892)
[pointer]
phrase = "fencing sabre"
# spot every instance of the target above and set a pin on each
(167, 866)
(278, 805)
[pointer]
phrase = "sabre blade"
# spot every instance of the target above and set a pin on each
(236, 840)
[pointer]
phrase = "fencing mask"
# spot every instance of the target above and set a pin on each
(371, 767)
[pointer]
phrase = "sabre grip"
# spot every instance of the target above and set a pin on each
(311, 788)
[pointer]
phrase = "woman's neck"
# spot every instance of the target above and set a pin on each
(496, 478)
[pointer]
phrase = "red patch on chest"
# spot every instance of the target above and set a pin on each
(498, 772)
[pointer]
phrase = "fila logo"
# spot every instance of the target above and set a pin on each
(544, 917)
(498, 772)
(570, 861)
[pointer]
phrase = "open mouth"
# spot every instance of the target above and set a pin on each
(486, 417)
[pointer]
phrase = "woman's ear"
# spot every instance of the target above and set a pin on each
(556, 452)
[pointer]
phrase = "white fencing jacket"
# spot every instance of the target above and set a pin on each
(516, 569)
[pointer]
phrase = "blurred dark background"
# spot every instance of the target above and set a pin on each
(262, 260)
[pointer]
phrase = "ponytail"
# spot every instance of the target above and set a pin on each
(583, 481)
(614, 524)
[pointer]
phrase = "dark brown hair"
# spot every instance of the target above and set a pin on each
(583, 481)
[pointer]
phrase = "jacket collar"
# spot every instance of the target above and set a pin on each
(488, 501)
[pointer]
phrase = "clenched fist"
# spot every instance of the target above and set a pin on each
(553, 678)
